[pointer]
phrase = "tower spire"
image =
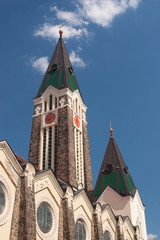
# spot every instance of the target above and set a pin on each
(60, 73)
(114, 172)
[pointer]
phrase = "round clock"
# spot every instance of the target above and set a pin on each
(76, 121)
(50, 117)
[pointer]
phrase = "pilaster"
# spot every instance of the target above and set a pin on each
(27, 213)
(119, 228)
(87, 159)
(67, 217)
(35, 141)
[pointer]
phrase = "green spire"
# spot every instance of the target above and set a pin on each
(114, 172)
(59, 73)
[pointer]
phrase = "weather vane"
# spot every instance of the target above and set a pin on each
(111, 129)
(60, 31)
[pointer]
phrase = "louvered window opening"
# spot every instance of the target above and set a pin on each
(50, 147)
(44, 148)
(78, 151)
(55, 149)
(49, 154)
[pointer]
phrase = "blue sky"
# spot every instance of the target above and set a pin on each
(114, 46)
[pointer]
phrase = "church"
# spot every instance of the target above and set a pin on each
(51, 196)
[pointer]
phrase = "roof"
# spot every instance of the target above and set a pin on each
(23, 162)
(59, 73)
(114, 173)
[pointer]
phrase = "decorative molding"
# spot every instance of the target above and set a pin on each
(86, 199)
(54, 230)
(8, 201)
(48, 174)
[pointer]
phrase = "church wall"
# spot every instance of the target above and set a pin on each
(138, 214)
(5, 223)
(109, 223)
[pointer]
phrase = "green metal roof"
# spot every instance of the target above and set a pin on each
(114, 173)
(59, 73)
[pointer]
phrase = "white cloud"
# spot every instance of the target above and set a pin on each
(134, 3)
(151, 236)
(71, 18)
(52, 31)
(40, 64)
(100, 12)
(103, 12)
(76, 60)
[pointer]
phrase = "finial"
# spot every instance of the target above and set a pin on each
(111, 129)
(60, 31)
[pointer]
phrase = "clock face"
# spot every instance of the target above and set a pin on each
(50, 117)
(76, 121)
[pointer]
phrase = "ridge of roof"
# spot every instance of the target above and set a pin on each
(24, 162)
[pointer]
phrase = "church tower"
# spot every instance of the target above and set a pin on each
(59, 135)
(115, 187)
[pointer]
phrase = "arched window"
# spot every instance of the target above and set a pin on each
(2, 200)
(107, 235)
(80, 230)
(50, 102)
(44, 218)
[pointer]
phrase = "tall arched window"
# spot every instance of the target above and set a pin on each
(107, 235)
(80, 230)
(50, 102)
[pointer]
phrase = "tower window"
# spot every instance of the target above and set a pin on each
(79, 156)
(55, 102)
(55, 149)
(44, 148)
(50, 147)
(50, 102)
(76, 106)
(45, 106)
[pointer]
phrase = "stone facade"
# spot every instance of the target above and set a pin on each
(24, 218)
(69, 205)
(65, 169)
(35, 140)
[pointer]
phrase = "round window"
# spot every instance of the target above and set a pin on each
(44, 218)
(80, 230)
(2, 200)
(107, 235)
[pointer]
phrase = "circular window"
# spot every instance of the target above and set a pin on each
(80, 230)
(107, 235)
(44, 218)
(2, 200)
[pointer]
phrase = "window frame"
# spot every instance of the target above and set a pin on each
(54, 229)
